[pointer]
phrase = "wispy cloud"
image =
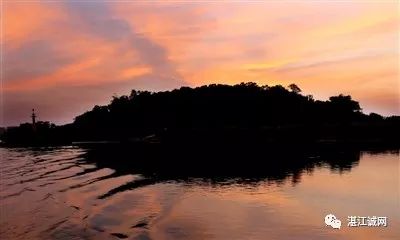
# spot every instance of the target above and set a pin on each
(55, 49)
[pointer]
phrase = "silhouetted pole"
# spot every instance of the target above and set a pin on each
(33, 120)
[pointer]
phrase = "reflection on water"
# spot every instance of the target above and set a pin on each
(69, 193)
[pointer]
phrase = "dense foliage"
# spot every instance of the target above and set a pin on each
(215, 107)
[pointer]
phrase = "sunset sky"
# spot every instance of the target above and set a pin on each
(64, 57)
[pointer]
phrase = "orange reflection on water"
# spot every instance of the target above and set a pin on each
(67, 197)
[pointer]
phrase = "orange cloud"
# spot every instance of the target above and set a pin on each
(23, 21)
(135, 71)
(326, 48)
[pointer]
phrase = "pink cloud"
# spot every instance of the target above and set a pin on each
(323, 47)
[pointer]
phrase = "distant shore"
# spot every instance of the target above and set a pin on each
(216, 114)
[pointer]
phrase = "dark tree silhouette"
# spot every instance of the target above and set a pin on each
(294, 88)
(218, 113)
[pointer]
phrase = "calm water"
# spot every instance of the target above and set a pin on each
(58, 194)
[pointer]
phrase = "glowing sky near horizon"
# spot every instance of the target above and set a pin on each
(62, 58)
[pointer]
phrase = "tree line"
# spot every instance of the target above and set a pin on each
(247, 107)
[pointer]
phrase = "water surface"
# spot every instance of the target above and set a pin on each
(57, 193)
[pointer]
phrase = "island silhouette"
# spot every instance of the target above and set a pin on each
(217, 115)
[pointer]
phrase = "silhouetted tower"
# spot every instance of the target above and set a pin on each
(33, 119)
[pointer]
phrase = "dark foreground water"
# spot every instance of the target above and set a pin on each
(59, 194)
